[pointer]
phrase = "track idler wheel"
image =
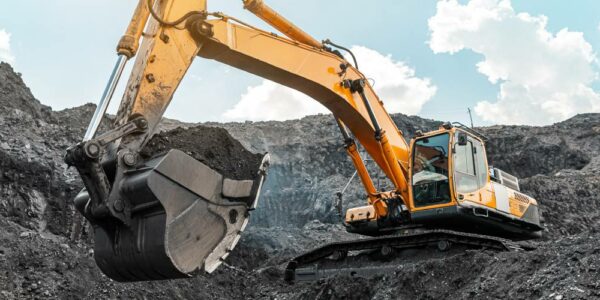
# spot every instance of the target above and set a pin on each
(339, 255)
(443, 245)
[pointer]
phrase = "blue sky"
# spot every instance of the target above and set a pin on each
(65, 50)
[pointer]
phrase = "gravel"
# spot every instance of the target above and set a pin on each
(559, 166)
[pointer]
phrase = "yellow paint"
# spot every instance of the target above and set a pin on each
(263, 11)
(299, 62)
(129, 43)
(153, 81)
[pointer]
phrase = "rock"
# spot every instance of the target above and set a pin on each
(559, 165)
(26, 234)
(210, 145)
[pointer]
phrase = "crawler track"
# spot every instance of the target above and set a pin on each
(306, 266)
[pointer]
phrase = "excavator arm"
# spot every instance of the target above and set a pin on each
(172, 216)
(299, 62)
(320, 74)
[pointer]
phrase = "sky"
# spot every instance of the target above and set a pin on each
(529, 62)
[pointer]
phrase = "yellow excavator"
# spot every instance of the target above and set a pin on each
(172, 216)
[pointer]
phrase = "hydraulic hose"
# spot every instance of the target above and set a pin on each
(176, 22)
(329, 42)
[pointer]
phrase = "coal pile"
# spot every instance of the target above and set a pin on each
(210, 145)
(527, 151)
(554, 271)
(309, 165)
(559, 165)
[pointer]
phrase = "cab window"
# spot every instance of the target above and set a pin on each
(470, 169)
(464, 168)
(430, 170)
(480, 163)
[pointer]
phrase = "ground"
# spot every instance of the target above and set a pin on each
(559, 166)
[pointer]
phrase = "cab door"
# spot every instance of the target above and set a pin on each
(430, 185)
(486, 190)
(470, 171)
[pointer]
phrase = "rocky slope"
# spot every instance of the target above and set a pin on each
(560, 166)
(309, 165)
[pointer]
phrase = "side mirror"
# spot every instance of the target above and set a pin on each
(462, 138)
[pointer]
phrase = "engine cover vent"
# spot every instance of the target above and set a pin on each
(505, 179)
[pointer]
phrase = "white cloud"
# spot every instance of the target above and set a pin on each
(5, 54)
(543, 77)
(395, 84)
(272, 101)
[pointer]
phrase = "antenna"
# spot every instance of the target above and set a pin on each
(470, 116)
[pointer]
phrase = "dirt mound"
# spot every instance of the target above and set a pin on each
(210, 145)
(46, 266)
(526, 150)
(564, 269)
(14, 94)
(559, 166)
(569, 201)
(308, 166)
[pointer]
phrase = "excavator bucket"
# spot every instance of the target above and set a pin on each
(185, 219)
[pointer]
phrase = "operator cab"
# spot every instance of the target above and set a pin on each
(448, 167)
(445, 158)
(451, 187)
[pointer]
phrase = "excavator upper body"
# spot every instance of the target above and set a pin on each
(172, 216)
(452, 187)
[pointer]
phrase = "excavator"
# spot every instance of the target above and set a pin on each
(172, 216)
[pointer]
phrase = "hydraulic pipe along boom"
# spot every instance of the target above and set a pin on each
(398, 177)
(106, 96)
(358, 162)
(127, 48)
(267, 14)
